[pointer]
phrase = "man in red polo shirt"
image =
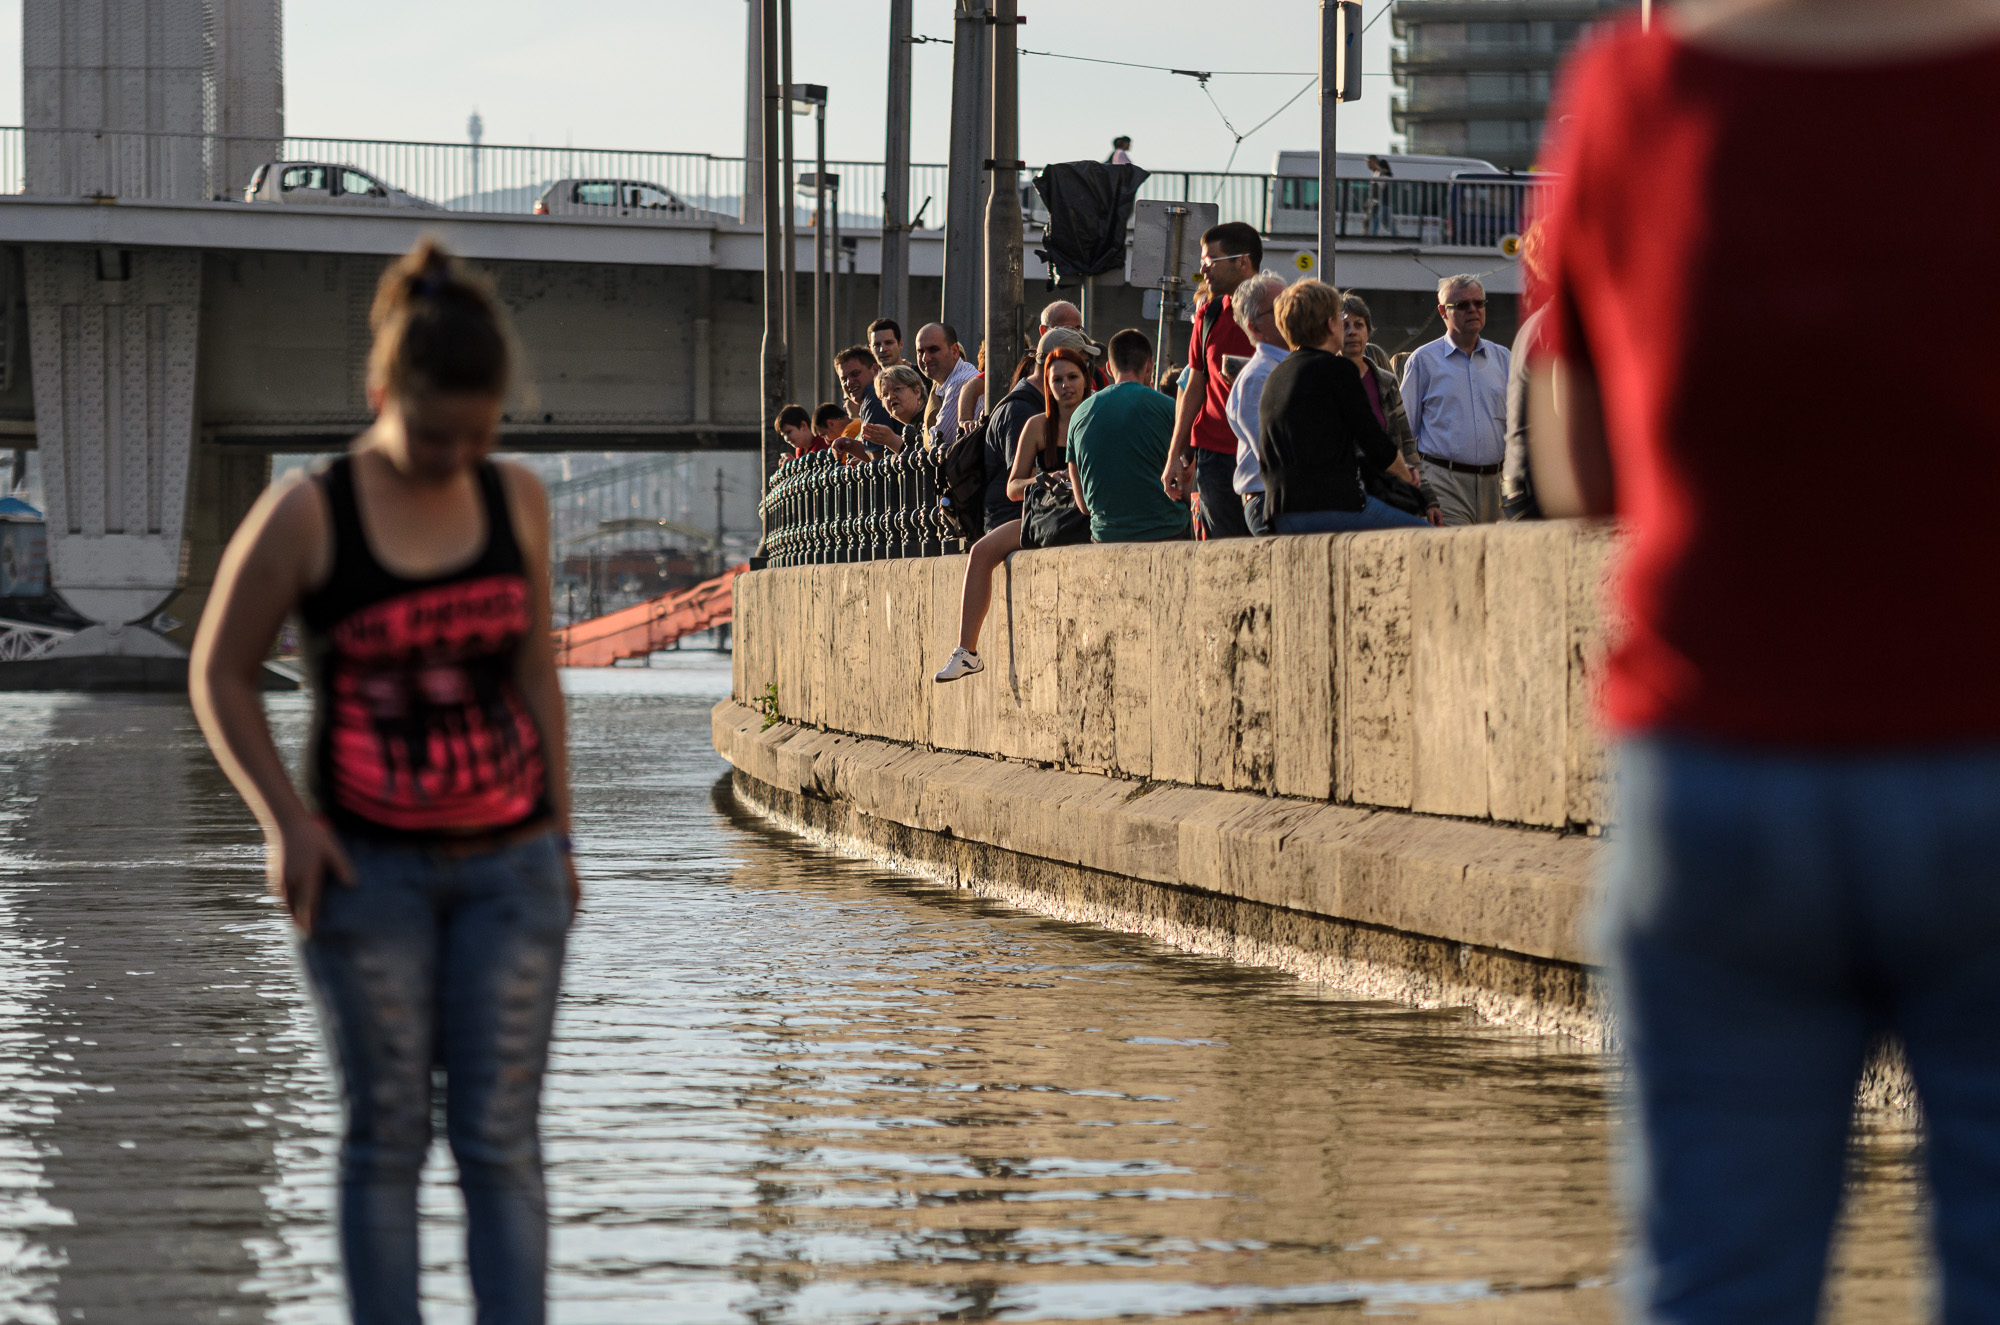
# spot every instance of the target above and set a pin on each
(1203, 456)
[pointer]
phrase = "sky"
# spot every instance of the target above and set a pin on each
(668, 75)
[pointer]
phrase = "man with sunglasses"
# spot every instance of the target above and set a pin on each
(1203, 456)
(1455, 393)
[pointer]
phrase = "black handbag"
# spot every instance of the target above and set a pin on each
(1386, 487)
(1049, 517)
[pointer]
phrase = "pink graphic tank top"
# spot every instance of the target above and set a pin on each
(418, 727)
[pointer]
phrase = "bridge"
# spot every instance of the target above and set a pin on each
(160, 338)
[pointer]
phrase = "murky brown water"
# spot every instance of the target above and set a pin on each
(789, 1087)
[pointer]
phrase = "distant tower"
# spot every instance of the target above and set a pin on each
(475, 129)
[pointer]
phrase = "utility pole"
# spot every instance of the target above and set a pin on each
(833, 283)
(896, 187)
(751, 211)
(791, 218)
(1003, 202)
(1339, 80)
(772, 386)
(814, 95)
(1329, 165)
(721, 558)
(964, 270)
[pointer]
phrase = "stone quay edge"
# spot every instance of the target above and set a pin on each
(1366, 758)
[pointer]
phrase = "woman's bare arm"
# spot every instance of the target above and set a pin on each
(269, 566)
(1567, 451)
(1025, 451)
(260, 581)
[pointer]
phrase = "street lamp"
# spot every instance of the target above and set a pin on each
(812, 96)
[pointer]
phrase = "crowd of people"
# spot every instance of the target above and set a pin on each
(1288, 418)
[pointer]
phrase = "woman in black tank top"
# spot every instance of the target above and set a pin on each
(428, 869)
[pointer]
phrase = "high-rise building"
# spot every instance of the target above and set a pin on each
(1475, 74)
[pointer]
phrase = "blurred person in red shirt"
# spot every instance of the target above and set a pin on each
(1808, 852)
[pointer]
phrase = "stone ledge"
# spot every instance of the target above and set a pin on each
(1517, 895)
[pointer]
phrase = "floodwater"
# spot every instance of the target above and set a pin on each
(789, 1087)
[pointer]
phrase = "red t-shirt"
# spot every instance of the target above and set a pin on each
(1211, 427)
(1811, 557)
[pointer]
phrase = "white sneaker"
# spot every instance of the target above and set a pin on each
(963, 662)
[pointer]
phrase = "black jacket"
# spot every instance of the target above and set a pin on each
(1317, 431)
(1003, 433)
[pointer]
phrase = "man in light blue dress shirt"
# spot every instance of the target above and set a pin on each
(1455, 392)
(1253, 306)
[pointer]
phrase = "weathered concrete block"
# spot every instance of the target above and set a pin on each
(1229, 611)
(1374, 731)
(1304, 642)
(1448, 672)
(1102, 635)
(1175, 691)
(1594, 629)
(1527, 675)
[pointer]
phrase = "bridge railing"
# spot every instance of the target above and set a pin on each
(820, 510)
(510, 179)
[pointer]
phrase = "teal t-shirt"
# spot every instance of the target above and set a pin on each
(1118, 442)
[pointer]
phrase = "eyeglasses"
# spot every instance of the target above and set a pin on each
(1467, 306)
(1207, 261)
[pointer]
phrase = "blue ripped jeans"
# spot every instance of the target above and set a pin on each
(454, 961)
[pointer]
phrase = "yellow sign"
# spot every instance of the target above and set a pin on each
(1510, 246)
(1304, 262)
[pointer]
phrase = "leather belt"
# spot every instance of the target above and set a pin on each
(1456, 467)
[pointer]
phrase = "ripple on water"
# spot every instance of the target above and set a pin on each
(788, 1086)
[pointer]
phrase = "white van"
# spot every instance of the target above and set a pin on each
(1408, 203)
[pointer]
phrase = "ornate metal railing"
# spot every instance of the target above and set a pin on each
(820, 510)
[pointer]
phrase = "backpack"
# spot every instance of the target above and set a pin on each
(1211, 313)
(962, 481)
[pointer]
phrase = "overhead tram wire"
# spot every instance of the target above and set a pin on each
(1201, 79)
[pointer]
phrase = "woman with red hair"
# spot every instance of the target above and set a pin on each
(1066, 381)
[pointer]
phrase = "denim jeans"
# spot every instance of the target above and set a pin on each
(1377, 514)
(1771, 915)
(1253, 515)
(435, 959)
(1221, 508)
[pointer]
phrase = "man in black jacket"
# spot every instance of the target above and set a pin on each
(1319, 437)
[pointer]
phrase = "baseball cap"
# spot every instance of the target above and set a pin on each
(1067, 338)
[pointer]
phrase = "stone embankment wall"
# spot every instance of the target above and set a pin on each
(1368, 758)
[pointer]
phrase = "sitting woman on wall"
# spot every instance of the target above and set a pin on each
(1320, 437)
(1044, 447)
(1385, 397)
(903, 391)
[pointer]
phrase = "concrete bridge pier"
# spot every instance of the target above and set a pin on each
(113, 337)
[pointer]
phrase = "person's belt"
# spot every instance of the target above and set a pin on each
(1457, 467)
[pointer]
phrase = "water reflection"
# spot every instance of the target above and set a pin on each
(789, 1088)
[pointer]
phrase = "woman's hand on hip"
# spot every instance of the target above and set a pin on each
(300, 857)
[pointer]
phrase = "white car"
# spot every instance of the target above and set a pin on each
(326, 184)
(609, 197)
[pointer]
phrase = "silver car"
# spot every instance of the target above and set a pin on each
(609, 197)
(327, 185)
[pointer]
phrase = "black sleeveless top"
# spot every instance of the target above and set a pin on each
(419, 730)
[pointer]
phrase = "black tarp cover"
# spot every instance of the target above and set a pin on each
(1090, 206)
